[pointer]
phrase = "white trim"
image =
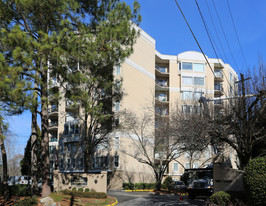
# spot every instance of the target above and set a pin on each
(53, 143)
(166, 57)
(175, 89)
(139, 68)
(193, 74)
(147, 38)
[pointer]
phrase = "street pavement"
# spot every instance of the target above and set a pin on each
(152, 199)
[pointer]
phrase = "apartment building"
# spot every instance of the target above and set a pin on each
(167, 81)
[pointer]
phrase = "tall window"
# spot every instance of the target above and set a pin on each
(117, 69)
(199, 81)
(187, 95)
(117, 143)
(116, 161)
(81, 162)
(187, 109)
(187, 165)
(61, 164)
(68, 164)
(117, 106)
(198, 67)
(186, 66)
(187, 80)
(73, 163)
(175, 167)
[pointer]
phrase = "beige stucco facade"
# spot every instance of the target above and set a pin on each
(149, 78)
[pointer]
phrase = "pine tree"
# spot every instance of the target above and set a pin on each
(43, 37)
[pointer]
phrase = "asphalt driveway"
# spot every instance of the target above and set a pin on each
(152, 199)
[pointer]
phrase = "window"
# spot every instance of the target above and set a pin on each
(186, 66)
(117, 70)
(197, 95)
(51, 164)
(117, 106)
(61, 146)
(197, 109)
(187, 95)
(101, 162)
(195, 165)
(230, 77)
(198, 67)
(175, 167)
(187, 80)
(116, 161)
(76, 131)
(74, 147)
(187, 109)
(81, 162)
(61, 164)
(73, 163)
(69, 147)
(68, 164)
(187, 165)
(199, 81)
(51, 149)
(117, 143)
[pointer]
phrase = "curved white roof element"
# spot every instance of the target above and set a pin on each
(191, 55)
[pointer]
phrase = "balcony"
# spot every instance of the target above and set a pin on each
(161, 85)
(70, 105)
(162, 112)
(161, 98)
(161, 71)
(219, 76)
(53, 138)
(218, 90)
(53, 124)
(53, 110)
(54, 82)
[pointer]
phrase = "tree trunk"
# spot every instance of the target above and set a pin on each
(46, 185)
(4, 159)
(34, 184)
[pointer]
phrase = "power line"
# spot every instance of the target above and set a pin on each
(236, 33)
(194, 37)
(205, 25)
(225, 57)
(225, 35)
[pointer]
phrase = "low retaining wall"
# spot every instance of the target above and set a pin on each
(93, 181)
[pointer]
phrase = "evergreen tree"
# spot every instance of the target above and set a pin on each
(41, 38)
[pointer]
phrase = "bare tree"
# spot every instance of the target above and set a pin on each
(153, 147)
(242, 125)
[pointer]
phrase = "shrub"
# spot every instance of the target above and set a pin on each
(74, 189)
(255, 180)
(168, 182)
(27, 202)
(96, 195)
(151, 185)
(220, 198)
(80, 189)
(87, 189)
(20, 190)
(163, 186)
(128, 186)
(140, 186)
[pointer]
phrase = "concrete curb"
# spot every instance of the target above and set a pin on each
(145, 190)
(116, 202)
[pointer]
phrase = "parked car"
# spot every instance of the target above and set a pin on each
(179, 185)
(12, 180)
(24, 180)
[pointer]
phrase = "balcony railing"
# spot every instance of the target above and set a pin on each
(53, 108)
(161, 69)
(218, 87)
(53, 139)
(161, 112)
(162, 83)
(53, 123)
(219, 74)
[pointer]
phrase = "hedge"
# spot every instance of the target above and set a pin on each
(138, 186)
(27, 202)
(220, 198)
(255, 180)
(96, 195)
